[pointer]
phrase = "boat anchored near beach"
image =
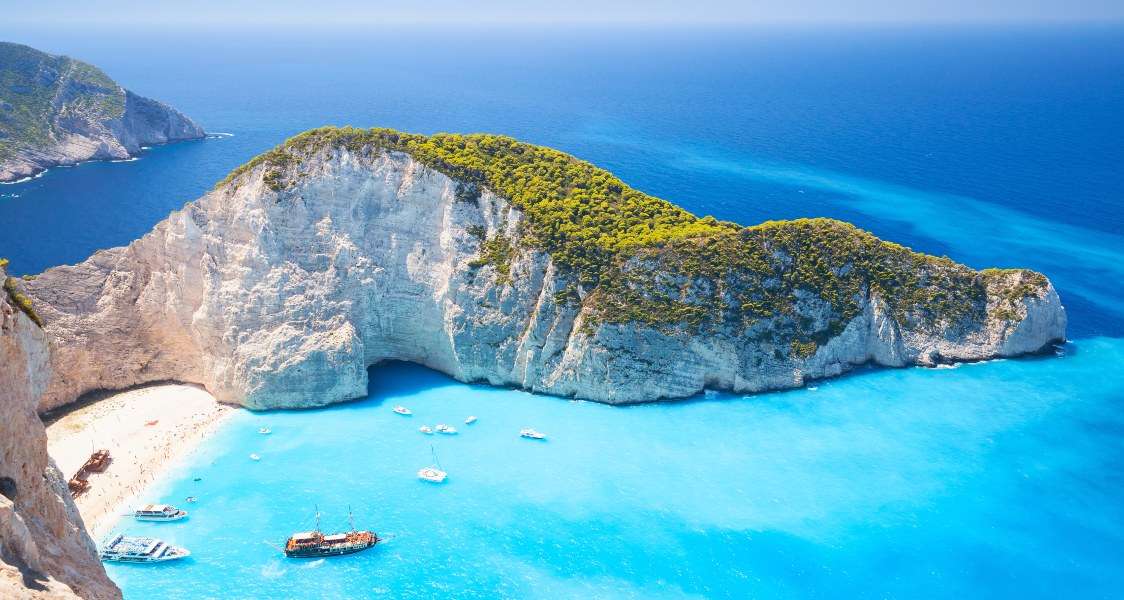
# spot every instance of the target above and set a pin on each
(140, 550)
(159, 512)
(470, 420)
(402, 410)
(426, 429)
(314, 544)
(433, 473)
(530, 433)
(445, 429)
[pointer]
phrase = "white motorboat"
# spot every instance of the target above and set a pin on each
(255, 456)
(402, 410)
(433, 473)
(530, 433)
(265, 431)
(426, 429)
(159, 512)
(140, 550)
(191, 499)
(470, 420)
(445, 429)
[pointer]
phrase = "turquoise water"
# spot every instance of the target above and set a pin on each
(994, 146)
(988, 480)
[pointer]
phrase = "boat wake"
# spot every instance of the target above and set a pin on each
(273, 570)
(216, 135)
(314, 564)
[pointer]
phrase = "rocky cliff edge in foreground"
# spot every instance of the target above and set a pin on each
(493, 260)
(55, 110)
(44, 549)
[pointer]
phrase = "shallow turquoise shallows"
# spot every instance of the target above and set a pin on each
(989, 480)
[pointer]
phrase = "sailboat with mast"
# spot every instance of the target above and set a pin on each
(315, 544)
(433, 473)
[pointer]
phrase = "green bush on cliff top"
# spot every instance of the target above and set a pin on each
(645, 259)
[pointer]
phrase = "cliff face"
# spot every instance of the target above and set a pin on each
(55, 110)
(44, 549)
(280, 287)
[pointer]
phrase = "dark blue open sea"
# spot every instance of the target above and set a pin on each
(994, 146)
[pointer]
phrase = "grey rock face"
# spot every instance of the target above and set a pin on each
(284, 298)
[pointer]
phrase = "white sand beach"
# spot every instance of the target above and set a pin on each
(145, 430)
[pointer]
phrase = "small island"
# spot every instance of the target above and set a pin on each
(55, 110)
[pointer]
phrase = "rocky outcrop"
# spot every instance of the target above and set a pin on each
(44, 549)
(280, 287)
(55, 110)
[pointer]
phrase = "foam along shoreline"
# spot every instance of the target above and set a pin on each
(146, 431)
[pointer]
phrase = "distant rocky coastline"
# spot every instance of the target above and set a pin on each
(497, 261)
(55, 110)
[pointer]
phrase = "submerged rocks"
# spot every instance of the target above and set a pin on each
(44, 549)
(337, 251)
(55, 110)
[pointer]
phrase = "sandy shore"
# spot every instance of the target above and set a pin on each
(146, 430)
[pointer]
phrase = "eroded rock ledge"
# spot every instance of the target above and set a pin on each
(44, 549)
(492, 260)
(55, 110)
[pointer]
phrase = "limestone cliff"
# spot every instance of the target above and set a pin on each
(44, 549)
(55, 110)
(496, 261)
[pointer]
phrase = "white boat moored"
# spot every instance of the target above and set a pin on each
(470, 420)
(159, 512)
(426, 429)
(402, 410)
(433, 473)
(445, 429)
(255, 456)
(530, 433)
(140, 550)
(265, 431)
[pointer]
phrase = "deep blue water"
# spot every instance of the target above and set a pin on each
(996, 147)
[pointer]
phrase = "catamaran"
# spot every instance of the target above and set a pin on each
(140, 550)
(402, 410)
(314, 544)
(530, 433)
(433, 473)
(159, 512)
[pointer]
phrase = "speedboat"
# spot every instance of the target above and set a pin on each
(159, 512)
(445, 429)
(191, 499)
(426, 429)
(433, 473)
(255, 456)
(470, 420)
(265, 431)
(140, 550)
(402, 410)
(530, 433)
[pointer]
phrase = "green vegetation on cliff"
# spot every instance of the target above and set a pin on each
(640, 258)
(37, 89)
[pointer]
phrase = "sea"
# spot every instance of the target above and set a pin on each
(993, 145)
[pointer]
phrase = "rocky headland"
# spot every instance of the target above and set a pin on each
(55, 110)
(497, 261)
